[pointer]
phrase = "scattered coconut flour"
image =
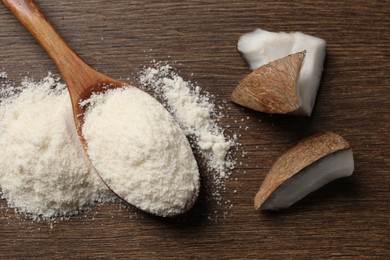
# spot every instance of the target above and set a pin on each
(194, 112)
(140, 151)
(43, 171)
(3, 75)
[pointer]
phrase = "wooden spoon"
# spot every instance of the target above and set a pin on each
(82, 80)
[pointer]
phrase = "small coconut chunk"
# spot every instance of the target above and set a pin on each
(304, 168)
(261, 47)
(272, 88)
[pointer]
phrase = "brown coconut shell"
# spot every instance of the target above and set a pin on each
(272, 88)
(298, 157)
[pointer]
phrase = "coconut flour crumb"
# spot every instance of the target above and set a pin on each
(43, 171)
(3, 75)
(140, 151)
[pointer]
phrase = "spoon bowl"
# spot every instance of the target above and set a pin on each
(82, 80)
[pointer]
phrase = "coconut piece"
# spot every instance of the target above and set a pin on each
(304, 168)
(261, 47)
(272, 88)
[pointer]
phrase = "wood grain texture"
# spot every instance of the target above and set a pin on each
(348, 218)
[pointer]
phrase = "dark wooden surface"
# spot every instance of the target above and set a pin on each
(347, 218)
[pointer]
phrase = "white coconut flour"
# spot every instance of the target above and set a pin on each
(140, 151)
(43, 171)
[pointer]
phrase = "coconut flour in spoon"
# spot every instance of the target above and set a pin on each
(140, 151)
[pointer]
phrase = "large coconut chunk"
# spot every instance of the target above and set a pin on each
(261, 47)
(303, 169)
(272, 88)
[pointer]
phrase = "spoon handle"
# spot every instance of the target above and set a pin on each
(74, 70)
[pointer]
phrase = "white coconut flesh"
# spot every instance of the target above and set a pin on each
(261, 47)
(337, 165)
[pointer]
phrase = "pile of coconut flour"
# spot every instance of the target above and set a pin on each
(140, 151)
(43, 171)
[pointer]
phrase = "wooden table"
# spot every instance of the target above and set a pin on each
(348, 218)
